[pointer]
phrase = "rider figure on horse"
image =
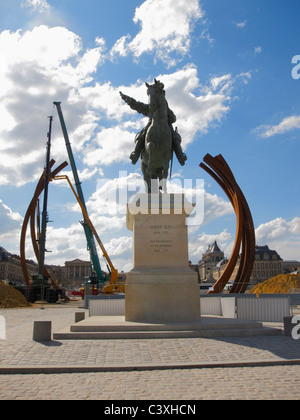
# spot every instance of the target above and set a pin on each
(140, 137)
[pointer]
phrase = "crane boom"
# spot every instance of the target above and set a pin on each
(114, 285)
(42, 238)
(88, 233)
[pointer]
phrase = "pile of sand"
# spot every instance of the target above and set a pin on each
(11, 298)
(284, 283)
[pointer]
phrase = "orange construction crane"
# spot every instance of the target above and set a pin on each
(114, 286)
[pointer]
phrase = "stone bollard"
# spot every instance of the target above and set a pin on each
(79, 316)
(42, 331)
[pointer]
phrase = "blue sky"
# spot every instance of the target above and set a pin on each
(227, 69)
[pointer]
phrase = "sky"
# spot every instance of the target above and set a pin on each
(231, 70)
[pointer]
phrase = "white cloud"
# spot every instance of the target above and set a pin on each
(105, 99)
(245, 76)
(241, 25)
(48, 47)
(9, 220)
(287, 124)
(166, 27)
(110, 146)
(281, 235)
(70, 242)
(10, 228)
(223, 82)
(120, 47)
(36, 68)
(118, 246)
(277, 228)
(257, 50)
(195, 111)
(84, 175)
(199, 245)
(214, 207)
(112, 196)
(66, 244)
(47, 64)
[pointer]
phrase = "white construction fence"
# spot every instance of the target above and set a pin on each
(245, 307)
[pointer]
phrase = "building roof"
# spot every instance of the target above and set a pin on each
(263, 251)
(77, 261)
(4, 254)
(213, 248)
(213, 251)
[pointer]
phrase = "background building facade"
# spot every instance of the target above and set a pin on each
(267, 264)
(10, 267)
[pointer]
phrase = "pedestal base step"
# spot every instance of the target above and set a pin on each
(115, 327)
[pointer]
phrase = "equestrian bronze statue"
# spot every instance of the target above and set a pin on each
(155, 143)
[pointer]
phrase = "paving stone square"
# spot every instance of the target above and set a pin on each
(266, 367)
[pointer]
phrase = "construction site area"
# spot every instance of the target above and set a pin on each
(42, 286)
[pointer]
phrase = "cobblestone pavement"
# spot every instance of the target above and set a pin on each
(171, 369)
(277, 382)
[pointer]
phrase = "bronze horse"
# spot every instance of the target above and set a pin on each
(156, 142)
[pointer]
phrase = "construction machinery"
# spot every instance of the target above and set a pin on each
(97, 275)
(114, 285)
(41, 285)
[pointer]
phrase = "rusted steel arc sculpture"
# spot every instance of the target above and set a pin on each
(30, 214)
(245, 236)
(226, 180)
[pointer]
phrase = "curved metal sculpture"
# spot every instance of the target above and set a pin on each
(245, 234)
(30, 214)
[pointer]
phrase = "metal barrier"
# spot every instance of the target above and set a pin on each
(111, 306)
(210, 306)
(268, 309)
(264, 308)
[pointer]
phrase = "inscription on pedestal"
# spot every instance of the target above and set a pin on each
(159, 242)
(162, 242)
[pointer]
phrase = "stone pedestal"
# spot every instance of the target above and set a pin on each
(161, 287)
